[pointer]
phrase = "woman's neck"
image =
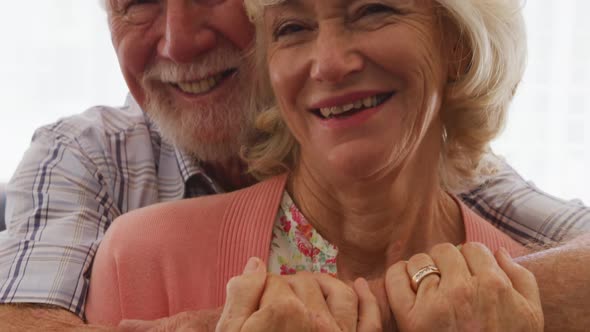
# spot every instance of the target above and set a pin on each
(377, 222)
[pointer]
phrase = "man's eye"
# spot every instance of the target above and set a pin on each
(132, 4)
(287, 29)
(140, 11)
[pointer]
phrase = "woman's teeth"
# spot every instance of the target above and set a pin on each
(368, 102)
(202, 86)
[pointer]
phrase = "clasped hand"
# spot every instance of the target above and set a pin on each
(476, 291)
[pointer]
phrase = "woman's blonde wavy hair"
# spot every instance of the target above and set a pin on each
(490, 50)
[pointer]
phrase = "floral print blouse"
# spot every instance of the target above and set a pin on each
(296, 246)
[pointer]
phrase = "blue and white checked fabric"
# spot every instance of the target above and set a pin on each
(526, 213)
(77, 176)
(82, 172)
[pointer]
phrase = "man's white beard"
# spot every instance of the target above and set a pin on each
(213, 132)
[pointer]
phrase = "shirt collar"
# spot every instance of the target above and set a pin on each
(188, 166)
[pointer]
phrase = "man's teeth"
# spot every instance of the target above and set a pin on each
(202, 86)
(368, 102)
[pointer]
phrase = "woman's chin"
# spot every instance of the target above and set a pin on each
(359, 166)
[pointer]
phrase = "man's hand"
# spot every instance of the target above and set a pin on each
(194, 321)
(562, 274)
(38, 317)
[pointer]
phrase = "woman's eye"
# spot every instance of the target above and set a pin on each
(374, 8)
(287, 29)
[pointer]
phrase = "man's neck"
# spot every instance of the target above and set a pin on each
(230, 174)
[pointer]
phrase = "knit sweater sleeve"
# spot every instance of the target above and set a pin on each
(103, 304)
(173, 257)
(157, 261)
(480, 230)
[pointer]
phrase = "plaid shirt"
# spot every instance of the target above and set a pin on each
(82, 172)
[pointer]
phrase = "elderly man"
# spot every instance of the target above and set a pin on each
(182, 63)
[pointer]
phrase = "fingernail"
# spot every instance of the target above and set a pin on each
(252, 265)
(363, 283)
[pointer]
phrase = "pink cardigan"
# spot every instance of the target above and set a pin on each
(174, 257)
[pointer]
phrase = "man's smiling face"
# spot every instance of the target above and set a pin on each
(182, 61)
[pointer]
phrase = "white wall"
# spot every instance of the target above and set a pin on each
(546, 138)
(56, 59)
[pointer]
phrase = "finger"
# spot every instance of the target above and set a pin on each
(429, 282)
(277, 288)
(243, 296)
(481, 262)
(314, 297)
(341, 300)
(369, 314)
(449, 261)
(399, 291)
(280, 309)
(452, 265)
(522, 279)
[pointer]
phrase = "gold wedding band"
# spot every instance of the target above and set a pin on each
(423, 273)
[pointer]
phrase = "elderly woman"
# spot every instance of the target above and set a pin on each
(374, 114)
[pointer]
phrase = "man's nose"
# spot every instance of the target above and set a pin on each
(335, 57)
(186, 32)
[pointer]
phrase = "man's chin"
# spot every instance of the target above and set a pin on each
(210, 151)
(208, 133)
(206, 138)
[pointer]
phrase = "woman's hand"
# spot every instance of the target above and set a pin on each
(474, 292)
(301, 302)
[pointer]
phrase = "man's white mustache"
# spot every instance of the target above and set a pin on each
(220, 61)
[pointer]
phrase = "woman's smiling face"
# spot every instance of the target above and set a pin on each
(358, 82)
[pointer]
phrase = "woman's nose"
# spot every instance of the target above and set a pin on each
(335, 57)
(186, 34)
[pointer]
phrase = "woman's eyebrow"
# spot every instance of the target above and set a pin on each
(296, 4)
(290, 6)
